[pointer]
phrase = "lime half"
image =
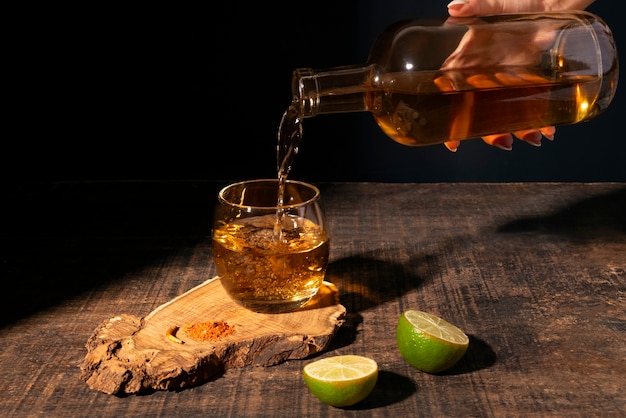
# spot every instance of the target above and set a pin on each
(341, 380)
(429, 343)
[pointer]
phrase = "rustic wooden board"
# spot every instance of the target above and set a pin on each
(126, 354)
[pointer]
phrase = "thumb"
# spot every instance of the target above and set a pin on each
(463, 8)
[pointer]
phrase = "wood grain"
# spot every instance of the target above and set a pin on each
(534, 273)
(126, 354)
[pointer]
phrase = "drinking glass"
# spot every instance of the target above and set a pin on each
(271, 255)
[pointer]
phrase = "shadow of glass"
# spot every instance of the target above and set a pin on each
(365, 282)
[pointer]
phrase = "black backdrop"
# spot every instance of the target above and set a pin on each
(197, 93)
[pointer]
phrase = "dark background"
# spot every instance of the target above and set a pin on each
(104, 93)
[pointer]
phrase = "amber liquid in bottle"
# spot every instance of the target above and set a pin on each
(416, 108)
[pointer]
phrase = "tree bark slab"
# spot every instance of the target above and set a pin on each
(128, 355)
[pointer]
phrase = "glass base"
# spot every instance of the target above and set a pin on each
(273, 306)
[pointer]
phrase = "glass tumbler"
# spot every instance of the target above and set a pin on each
(270, 251)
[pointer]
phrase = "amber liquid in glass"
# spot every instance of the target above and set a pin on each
(269, 275)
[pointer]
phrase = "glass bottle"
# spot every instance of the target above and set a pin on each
(428, 83)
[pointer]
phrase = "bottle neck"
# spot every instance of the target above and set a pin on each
(335, 90)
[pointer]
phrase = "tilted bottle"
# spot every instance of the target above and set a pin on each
(471, 77)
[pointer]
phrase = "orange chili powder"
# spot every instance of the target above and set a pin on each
(209, 330)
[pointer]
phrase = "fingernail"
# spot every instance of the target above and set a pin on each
(503, 142)
(451, 147)
(549, 132)
(457, 4)
(533, 138)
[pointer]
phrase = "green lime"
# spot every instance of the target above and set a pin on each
(341, 380)
(429, 343)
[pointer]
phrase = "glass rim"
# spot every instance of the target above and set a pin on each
(316, 196)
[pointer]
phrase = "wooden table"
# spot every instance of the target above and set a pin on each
(534, 273)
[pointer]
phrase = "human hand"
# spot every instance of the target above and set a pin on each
(466, 52)
(465, 8)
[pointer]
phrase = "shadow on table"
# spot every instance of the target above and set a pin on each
(59, 240)
(393, 387)
(390, 388)
(479, 355)
(598, 217)
(365, 282)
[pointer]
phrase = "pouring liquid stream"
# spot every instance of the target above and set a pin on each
(289, 137)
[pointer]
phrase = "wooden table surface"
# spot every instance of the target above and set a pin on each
(534, 273)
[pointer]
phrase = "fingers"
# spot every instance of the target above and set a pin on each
(505, 141)
(464, 8)
(534, 136)
(501, 141)
(530, 136)
(548, 132)
(458, 8)
(452, 145)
